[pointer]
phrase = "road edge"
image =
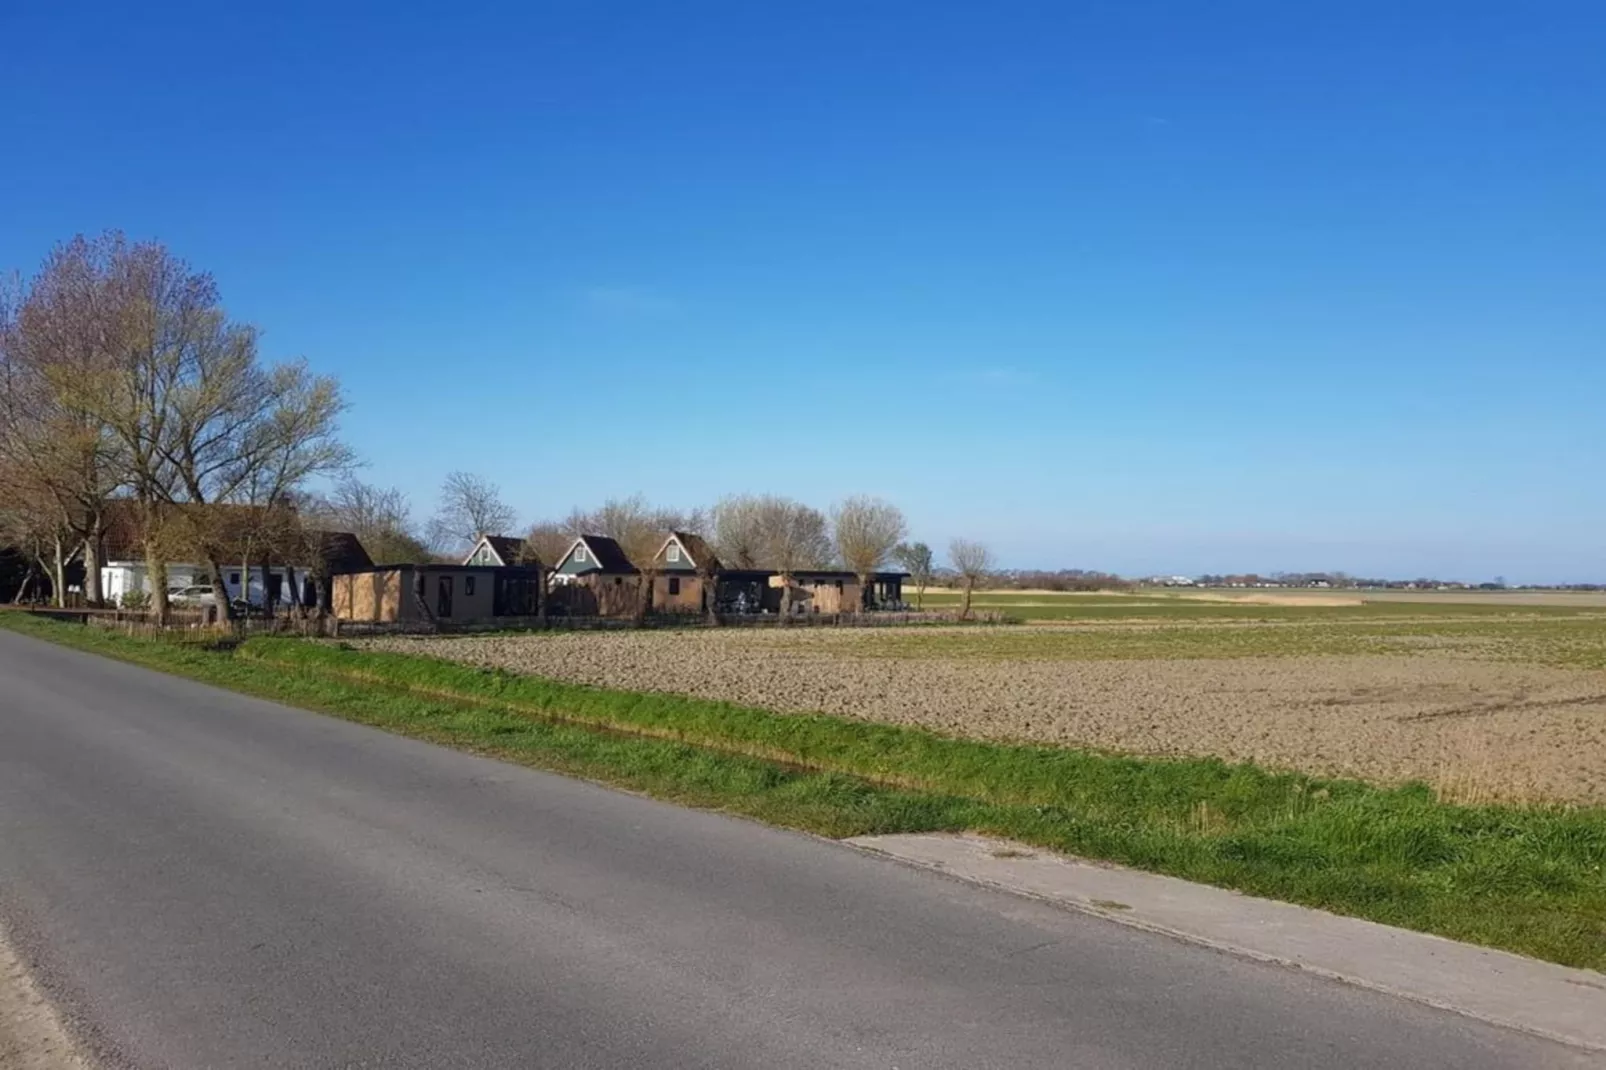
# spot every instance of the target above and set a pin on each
(1556, 1003)
(33, 1035)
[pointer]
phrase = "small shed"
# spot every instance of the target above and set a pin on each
(436, 594)
(822, 591)
(682, 569)
(595, 578)
(838, 591)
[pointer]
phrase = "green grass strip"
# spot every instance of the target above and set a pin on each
(1531, 880)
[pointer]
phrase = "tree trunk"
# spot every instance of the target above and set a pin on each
(58, 574)
(94, 592)
(711, 597)
(964, 612)
(26, 585)
(267, 588)
(786, 598)
(156, 577)
(297, 608)
(220, 593)
(541, 592)
(644, 597)
(865, 595)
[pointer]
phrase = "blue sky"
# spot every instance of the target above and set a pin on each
(1146, 287)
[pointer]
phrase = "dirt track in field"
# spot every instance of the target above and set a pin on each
(1479, 730)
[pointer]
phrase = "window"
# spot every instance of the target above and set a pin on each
(674, 585)
(580, 555)
(234, 578)
(673, 553)
(468, 586)
(618, 581)
(443, 597)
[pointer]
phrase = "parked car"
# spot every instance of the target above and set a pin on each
(202, 594)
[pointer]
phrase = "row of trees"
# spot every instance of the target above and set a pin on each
(125, 385)
(123, 380)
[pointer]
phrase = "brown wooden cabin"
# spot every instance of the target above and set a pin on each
(594, 578)
(447, 594)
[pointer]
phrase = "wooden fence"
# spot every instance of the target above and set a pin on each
(199, 622)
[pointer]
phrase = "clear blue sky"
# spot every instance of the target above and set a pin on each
(1147, 287)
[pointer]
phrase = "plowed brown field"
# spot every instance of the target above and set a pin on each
(1452, 710)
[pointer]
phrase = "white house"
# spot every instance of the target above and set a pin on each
(121, 577)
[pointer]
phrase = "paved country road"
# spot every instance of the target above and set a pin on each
(206, 880)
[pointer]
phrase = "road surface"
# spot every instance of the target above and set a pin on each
(207, 880)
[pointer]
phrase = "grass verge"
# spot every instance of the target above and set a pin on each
(1528, 880)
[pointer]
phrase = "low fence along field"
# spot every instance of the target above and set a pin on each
(1486, 701)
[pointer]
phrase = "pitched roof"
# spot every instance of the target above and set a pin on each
(607, 554)
(700, 554)
(237, 529)
(341, 552)
(509, 550)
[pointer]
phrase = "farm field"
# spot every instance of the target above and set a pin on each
(1485, 706)
(1035, 606)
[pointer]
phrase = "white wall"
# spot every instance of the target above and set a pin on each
(122, 576)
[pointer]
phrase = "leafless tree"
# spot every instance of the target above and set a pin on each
(30, 522)
(738, 530)
(546, 542)
(200, 421)
(769, 531)
(867, 530)
(917, 559)
(380, 517)
(972, 561)
(544, 545)
(470, 506)
(60, 457)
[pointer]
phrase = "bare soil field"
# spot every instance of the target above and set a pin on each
(1582, 600)
(1460, 711)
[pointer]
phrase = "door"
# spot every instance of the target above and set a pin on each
(443, 598)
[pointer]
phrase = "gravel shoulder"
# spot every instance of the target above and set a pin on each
(32, 1036)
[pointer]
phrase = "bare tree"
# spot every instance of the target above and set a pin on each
(768, 531)
(633, 524)
(470, 506)
(31, 522)
(867, 530)
(380, 517)
(738, 530)
(54, 332)
(200, 422)
(544, 544)
(972, 560)
(917, 559)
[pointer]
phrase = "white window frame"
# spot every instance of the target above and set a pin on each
(673, 553)
(580, 554)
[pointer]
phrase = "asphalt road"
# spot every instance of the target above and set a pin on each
(211, 881)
